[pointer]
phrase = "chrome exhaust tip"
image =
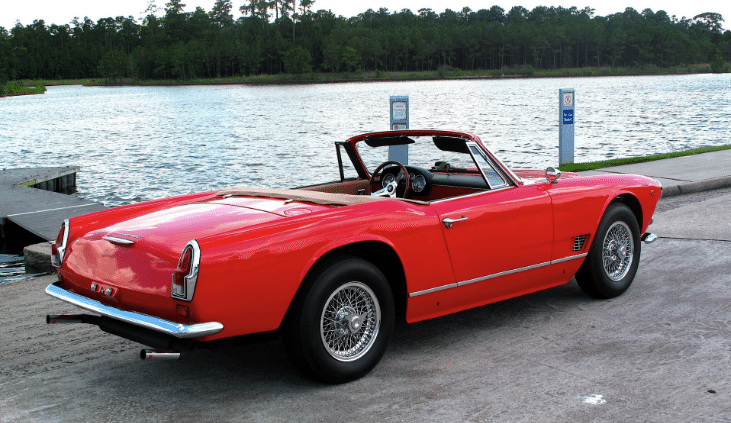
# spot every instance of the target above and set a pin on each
(649, 238)
(64, 318)
(159, 355)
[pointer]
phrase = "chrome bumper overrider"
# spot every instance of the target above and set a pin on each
(177, 330)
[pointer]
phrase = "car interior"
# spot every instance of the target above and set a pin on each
(438, 168)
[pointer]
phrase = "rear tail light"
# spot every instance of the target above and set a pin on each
(58, 248)
(186, 275)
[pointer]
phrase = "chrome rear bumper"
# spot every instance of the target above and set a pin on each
(177, 330)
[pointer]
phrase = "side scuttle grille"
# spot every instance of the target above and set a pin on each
(579, 242)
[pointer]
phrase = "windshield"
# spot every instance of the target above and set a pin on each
(422, 153)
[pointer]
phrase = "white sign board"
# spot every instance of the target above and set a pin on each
(399, 110)
(568, 99)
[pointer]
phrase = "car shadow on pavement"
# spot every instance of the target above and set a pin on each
(267, 363)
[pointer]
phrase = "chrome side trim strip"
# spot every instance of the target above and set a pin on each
(177, 330)
(578, 256)
(505, 273)
(430, 290)
(497, 275)
(115, 240)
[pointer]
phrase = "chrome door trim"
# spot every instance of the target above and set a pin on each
(496, 275)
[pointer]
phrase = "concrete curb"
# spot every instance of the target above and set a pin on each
(37, 258)
(698, 186)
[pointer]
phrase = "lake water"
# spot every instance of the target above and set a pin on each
(139, 143)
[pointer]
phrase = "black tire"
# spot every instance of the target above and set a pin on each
(342, 321)
(614, 256)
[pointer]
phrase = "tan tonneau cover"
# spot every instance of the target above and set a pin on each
(307, 196)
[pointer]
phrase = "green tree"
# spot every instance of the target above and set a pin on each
(221, 13)
(113, 64)
(351, 58)
(717, 63)
(298, 60)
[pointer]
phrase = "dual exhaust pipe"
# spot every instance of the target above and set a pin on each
(145, 354)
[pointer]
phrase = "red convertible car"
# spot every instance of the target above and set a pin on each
(329, 267)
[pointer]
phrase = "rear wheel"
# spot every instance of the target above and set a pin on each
(614, 256)
(341, 323)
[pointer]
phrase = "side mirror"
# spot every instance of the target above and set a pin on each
(552, 175)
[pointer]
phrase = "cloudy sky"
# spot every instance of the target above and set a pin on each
(62, 12)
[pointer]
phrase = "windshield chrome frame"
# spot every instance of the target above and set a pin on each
(488, 159)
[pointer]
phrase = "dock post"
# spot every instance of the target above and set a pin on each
(566, 103)
(399, 120)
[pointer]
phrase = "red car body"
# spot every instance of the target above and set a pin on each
(257, 247)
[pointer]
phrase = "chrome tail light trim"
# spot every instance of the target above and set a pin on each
(60, 254)
(190, 280)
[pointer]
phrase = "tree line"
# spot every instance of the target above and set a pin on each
(284, 36)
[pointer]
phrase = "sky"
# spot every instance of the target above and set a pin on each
(63, 12)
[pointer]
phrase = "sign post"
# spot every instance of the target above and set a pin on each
(399, 120)
(566, 102)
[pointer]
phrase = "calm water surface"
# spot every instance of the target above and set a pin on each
(139, 143)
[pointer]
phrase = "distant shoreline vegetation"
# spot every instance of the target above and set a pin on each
(275, 42)
(381, 76)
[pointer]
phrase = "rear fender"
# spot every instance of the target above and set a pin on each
(341, 244)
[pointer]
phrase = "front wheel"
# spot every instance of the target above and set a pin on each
(614, 256)
(341, 323)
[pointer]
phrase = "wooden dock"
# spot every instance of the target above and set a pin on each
(32, 199)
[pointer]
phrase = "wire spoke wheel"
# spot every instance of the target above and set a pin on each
(350, 321)
(612, 261)
(342, 320)
(617, 251)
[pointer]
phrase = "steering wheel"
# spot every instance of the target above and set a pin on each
(390, 189)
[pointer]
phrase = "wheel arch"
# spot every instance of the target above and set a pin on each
(378, 253)
(630, 201)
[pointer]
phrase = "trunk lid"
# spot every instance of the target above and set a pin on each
(136, 258)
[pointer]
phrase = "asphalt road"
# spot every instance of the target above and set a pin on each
(660, 352)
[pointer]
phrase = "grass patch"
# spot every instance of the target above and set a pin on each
(21, 88)
(579, 167)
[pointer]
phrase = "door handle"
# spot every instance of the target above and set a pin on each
(448, 222)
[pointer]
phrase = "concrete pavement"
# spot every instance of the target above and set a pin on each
(658, 353)
(682, 175)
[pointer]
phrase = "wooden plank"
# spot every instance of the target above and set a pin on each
(37, 211)
(46, 223)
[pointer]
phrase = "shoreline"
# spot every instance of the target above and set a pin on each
(442, 74)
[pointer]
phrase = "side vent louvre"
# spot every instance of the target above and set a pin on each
(579, 242)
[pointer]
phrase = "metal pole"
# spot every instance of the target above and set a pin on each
(566, 102)
(399, 114)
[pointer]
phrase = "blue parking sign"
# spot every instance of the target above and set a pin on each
(568, 117)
